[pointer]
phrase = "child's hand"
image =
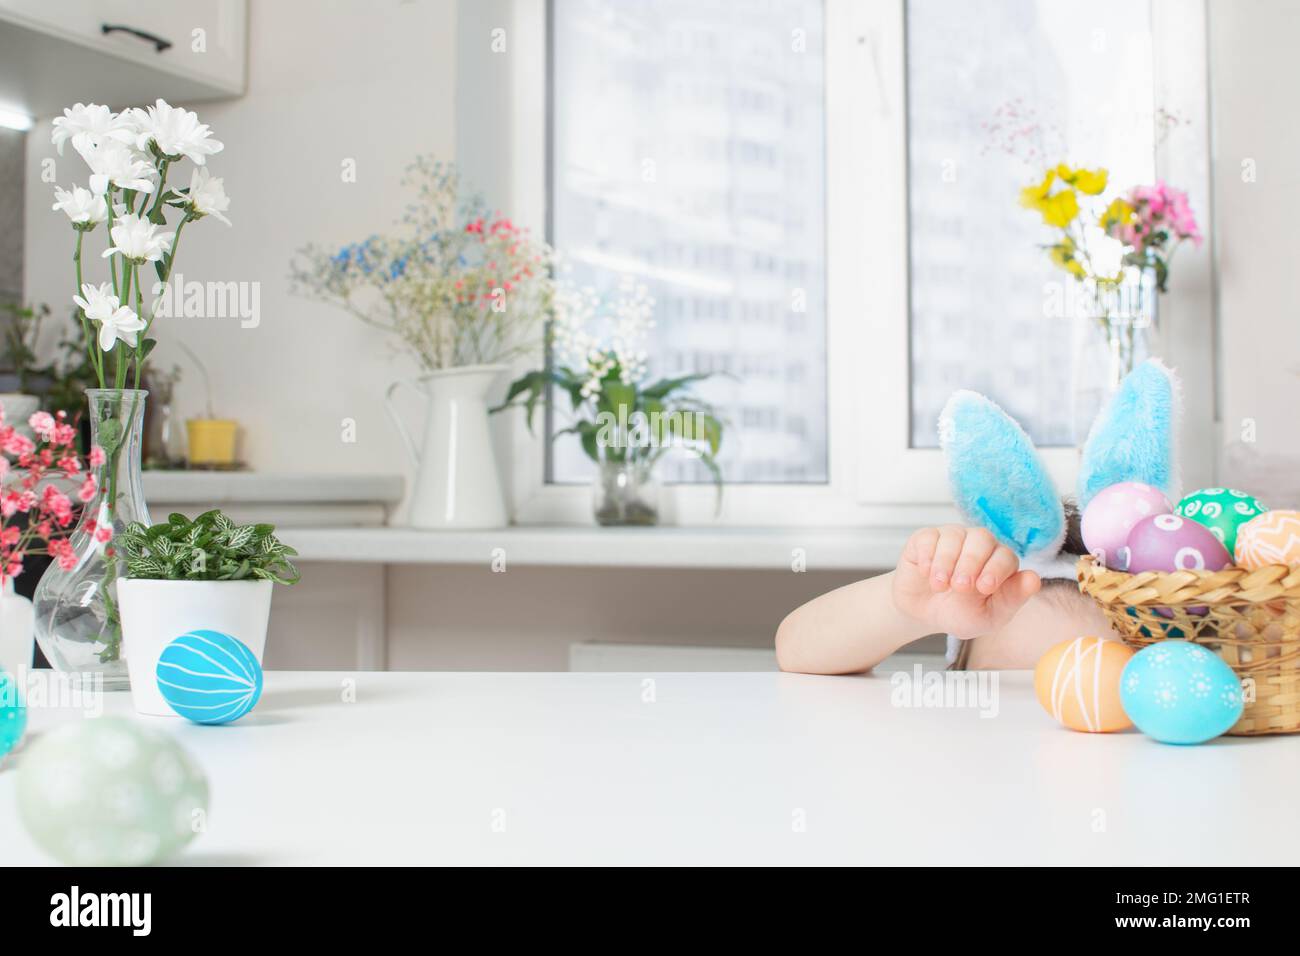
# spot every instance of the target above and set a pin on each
(960, 581)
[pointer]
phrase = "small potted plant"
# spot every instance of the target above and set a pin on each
(625, 422)
(18, 358)
(183, 575)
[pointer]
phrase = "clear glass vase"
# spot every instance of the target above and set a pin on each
(626, 492)
(78, 625)
(1120, 332)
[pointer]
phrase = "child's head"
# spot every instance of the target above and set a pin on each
(1059, 611)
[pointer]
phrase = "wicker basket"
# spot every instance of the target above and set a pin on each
(1249, 618)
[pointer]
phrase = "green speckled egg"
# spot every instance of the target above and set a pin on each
(1222, 510)
(110, 792)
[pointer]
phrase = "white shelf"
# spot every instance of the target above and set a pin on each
(183, 487)
(857, 549)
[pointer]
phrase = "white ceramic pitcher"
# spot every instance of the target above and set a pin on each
(456, 479)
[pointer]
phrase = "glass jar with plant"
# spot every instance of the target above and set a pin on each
(462, 291)
(130, 156)
(624, 421)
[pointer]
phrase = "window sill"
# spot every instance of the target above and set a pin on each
(784, 549)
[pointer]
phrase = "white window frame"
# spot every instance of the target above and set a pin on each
(875, 479)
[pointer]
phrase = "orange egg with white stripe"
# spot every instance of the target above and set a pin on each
(1272, 538)
(1077, 682)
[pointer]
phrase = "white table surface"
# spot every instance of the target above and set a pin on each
(461, 768)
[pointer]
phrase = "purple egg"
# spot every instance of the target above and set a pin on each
(1111, 515)
(1171, 543)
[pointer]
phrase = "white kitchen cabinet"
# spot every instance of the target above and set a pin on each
(119, 52)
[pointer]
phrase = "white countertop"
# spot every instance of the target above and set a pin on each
(716, 768)
(819, 549)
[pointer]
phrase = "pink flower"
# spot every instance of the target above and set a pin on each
(42, 423)
(70, 466)
(87, 490)
(64, 434)
(96, 457)
(57, 503)
(61, 549)
(16, 444)
(104, 533)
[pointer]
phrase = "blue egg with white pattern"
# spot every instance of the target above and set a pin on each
(13, 715)
(1178, 692)
(209, 677)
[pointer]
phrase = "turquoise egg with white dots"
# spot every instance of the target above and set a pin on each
(13, 716)
(1178, 692)
(209, 677)
(110, 792)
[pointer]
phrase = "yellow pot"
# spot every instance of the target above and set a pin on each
(212, 441)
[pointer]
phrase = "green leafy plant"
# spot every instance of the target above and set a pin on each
(209, 548)
(619, 415)
(21, 335)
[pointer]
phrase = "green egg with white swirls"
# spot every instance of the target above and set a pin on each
(1222, 511)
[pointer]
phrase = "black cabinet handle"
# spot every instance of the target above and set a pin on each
(159, 43)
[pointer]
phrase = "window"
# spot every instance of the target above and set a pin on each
(827, 171)
(996, 92)
(688, 151)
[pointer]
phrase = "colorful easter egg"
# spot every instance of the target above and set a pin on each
(13, 716)
(110, 792)
(209, 677)
(1077, 682)
(1271, 538)
(1170, 543)
(1221, 510)
(1180, 693)
(1111, 515)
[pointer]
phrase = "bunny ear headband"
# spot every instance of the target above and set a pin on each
(999, 480)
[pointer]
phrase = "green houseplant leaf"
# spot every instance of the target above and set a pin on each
(209, 548)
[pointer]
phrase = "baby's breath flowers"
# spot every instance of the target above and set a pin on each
(36, 512)
(455, 283)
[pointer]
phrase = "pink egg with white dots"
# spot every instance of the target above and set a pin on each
(1113, 513)
(1170, 543)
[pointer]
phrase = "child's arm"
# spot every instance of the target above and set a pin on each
(949, 580)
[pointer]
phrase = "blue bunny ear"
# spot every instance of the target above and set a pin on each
(1134, 438)
(998, 479)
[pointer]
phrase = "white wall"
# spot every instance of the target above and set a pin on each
(328, 80)
(1254, 73)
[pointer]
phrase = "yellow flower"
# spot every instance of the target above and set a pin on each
(1059, 210)
(1090, 181)
(1118, 213)
(1063, 255)
(1031, 197)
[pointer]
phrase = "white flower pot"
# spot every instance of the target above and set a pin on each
(456, 480)
(17, 633)
(155, 613)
